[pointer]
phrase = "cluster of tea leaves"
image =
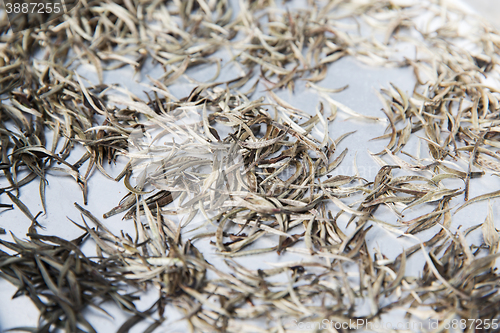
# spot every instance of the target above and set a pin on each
(250, 174)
